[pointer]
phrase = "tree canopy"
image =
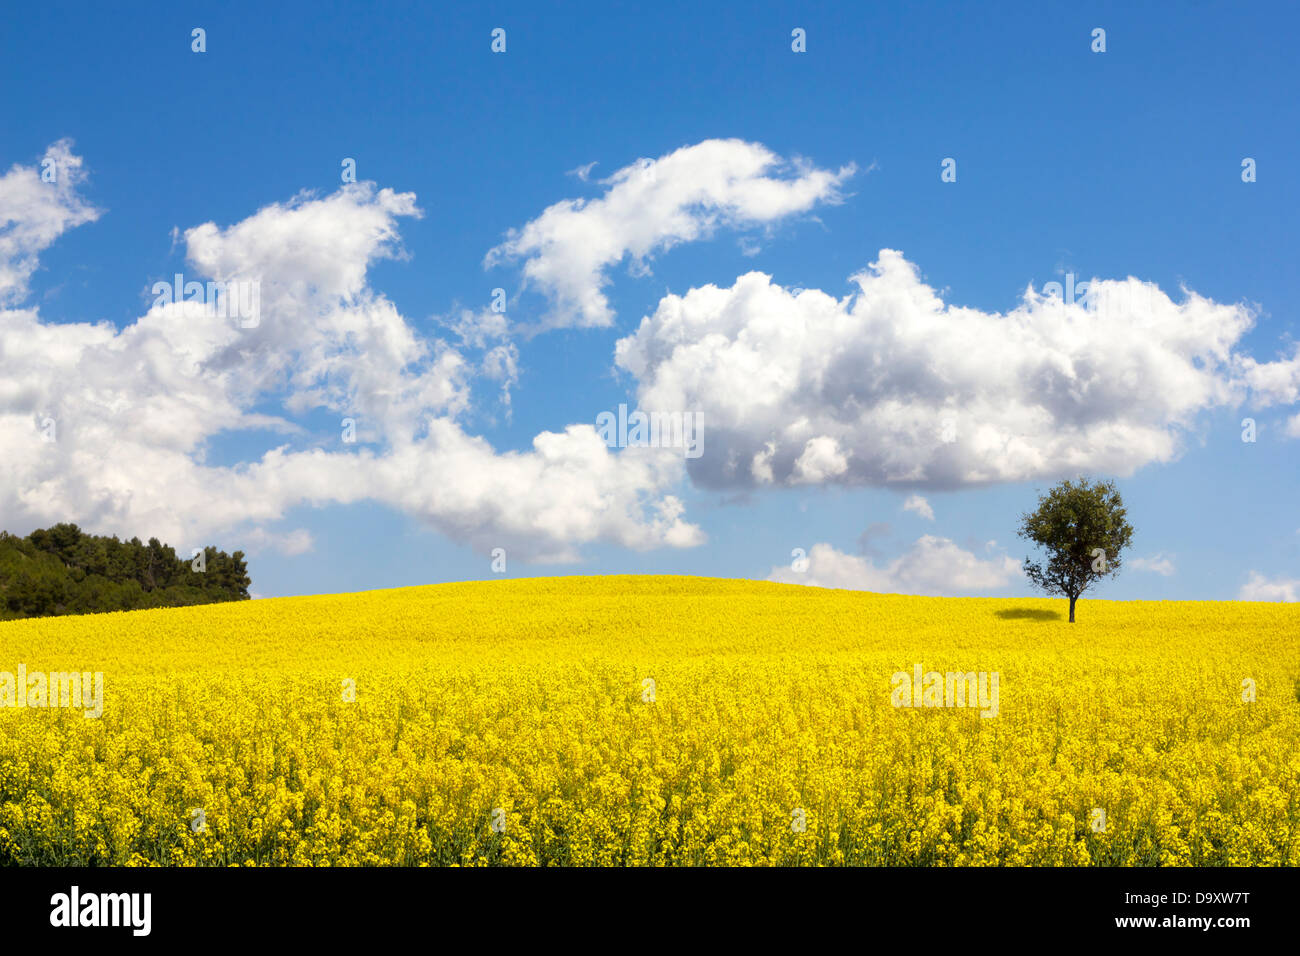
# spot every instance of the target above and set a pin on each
(62, 570)
(1083, 528)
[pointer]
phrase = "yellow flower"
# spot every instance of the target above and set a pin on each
(513, 723)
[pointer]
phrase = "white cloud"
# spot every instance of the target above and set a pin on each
(1260, 588)
(324, 332)
(1157, 564)
(291, 543)
(1043, 390)
(479, 329)
(35, 212)
(1273, 383)
(918, 504)
(501, 364)
(132, 411)
(651, 206)
(821, 460)
(489, 331)
(568, 490)
(931, 566)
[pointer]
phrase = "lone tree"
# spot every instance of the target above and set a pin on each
(1081, 526)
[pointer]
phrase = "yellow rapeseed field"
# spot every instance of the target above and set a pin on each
(657, 721)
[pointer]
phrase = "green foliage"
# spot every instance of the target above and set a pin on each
(1071, 523)
(61, 570)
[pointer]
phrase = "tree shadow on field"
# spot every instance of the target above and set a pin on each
(1029, 614)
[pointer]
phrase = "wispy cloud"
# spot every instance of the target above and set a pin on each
(918, 505)
(1261, 588)
(932, 565)
(1157, 564)
(650, 207)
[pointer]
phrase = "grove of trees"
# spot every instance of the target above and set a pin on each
(62, 570)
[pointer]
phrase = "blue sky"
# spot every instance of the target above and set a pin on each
(1108, 164)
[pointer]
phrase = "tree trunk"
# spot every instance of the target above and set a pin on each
(1072, 600)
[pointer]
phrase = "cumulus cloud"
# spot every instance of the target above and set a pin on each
(821, 461)
(919, 505)
(1261, 588)
(324, 333)
(112, 428)
(931, 566)
(651, 206)
(892, 385)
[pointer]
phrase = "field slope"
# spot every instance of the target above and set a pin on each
(656, 720)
